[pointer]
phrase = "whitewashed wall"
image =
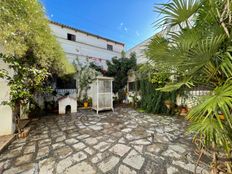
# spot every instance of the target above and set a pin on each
(192, 99)
(86, 45)
(139, 50)
(7, 125)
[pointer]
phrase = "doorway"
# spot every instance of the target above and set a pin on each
(68, 109)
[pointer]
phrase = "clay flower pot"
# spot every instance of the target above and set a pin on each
(183, 111)
(24, 133)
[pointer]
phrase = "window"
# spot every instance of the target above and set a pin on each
(66, 83)
(71, 37)
(109, 47)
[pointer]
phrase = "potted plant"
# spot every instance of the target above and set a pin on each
(86, 76)
(183, 110)
(85, 102)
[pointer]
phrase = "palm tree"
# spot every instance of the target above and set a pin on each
(197, 47)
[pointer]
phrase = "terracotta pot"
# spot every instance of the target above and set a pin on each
(183, 111)
(24, 133)
(86, 104)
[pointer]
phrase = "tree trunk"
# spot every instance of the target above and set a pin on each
(17, 116)
(80, 94)
(214, 169)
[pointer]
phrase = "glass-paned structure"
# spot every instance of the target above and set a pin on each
(102, 94)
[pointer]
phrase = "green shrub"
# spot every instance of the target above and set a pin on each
(153, 100)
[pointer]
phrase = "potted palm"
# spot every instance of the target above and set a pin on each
(200, 55)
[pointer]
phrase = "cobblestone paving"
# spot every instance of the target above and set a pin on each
(123, 142)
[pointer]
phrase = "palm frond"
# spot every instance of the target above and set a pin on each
(158, 48)
(176, 12)
(226, 65)
(212, 132)
(220, 99)
(207, 14)
(175, 86)
(211, 73)
(186, 37)
(203, 52)
(191, 55)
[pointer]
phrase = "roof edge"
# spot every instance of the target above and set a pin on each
(140, 43)
(95, 35)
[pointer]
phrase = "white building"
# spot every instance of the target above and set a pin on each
(7, 122)
(139, 50)
(82, 44)
(85, 46)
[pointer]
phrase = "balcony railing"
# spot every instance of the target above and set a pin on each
(65, 91)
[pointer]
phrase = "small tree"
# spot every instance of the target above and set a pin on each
(86, 76)
(29, 48)
(119, 68)
(23, 84)
(25, 33)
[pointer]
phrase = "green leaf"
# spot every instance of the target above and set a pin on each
(176, 12)
(176, 86)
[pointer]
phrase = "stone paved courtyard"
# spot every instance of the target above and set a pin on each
(123, 142)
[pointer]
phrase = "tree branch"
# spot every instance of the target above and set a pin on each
(221, 19)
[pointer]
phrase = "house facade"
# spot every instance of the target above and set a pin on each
(85, 46)
(82, 44)
(141, 58)
(139, 50)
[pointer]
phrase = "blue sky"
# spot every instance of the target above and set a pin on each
(127, 21)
